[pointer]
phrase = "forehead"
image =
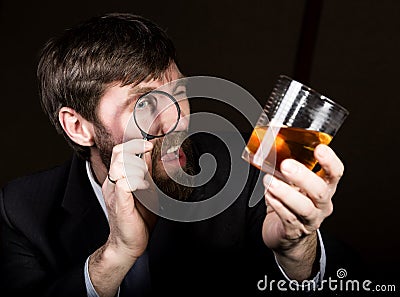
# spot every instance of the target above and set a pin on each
(115, 94)
(169, 79)
(117, 103)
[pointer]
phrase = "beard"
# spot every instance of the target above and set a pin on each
(177, 184)
(104, 142)
(174, 184)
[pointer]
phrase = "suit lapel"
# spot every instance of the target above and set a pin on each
(84, 227)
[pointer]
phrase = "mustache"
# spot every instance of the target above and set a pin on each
(161, 145)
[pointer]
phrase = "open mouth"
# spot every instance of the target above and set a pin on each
(174, 155)
(171, 154)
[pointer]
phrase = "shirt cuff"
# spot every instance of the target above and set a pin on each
(91, 292)
(322, 265)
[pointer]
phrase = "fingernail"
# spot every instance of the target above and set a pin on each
(288, 166)
(322, 151)
(148, 145)
(269, 181)
(267, 197)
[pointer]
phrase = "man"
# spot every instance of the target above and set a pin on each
(79, 229)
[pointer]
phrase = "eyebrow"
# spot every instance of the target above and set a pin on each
(142, 90)
(181, 82)
(139, 90)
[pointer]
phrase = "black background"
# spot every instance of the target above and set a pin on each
(355, 62)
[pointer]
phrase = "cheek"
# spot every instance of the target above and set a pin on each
(185, 107)
(185, 115)
(149, 163)
(128, 128)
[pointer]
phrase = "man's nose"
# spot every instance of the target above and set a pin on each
(172, 118)
(168, 119)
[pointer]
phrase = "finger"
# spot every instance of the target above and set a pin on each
(331, 165)
(107, 189)
(129, 160)
(116, 194)
(137, 146)
(293, 228)
(126, 184)
(297, 203)
(131, 184)
(121, 168)
(134, 146)
(310, 183)
(138, 181)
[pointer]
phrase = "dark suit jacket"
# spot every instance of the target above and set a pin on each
(51, 222)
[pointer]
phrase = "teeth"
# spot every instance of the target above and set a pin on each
(172, 149)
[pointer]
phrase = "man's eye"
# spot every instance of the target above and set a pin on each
(180, 95)
(142, 104)
(147, 104)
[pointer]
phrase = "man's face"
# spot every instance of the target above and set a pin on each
(115, 112)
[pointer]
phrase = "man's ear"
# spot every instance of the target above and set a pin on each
(77, 128)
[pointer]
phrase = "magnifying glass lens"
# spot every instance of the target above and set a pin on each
(156, 114)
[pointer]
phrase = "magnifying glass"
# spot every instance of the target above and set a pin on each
(153, 111)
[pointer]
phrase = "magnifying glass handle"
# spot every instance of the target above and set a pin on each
(141, 154)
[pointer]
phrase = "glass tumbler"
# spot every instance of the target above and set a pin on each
(294, 121)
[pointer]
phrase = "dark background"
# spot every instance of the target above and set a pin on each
(348, 50)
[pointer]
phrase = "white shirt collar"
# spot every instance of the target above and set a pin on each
(96, 188)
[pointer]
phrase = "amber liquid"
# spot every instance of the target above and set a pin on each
(294, 143)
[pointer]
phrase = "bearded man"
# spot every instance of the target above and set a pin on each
(79, 229)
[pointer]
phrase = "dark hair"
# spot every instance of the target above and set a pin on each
(76, 67)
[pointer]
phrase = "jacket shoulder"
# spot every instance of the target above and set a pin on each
(44, 180)
(35, 193)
